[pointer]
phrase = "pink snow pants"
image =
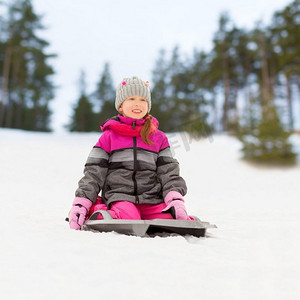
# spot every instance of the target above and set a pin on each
(130, 211)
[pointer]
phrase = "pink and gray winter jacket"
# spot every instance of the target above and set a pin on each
(123, 167)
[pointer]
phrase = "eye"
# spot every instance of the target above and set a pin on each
(143, 100)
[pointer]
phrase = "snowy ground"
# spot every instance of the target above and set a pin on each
(254, 253)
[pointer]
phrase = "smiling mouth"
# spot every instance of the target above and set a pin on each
(137, 111)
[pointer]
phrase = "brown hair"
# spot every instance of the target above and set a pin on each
(146, 130)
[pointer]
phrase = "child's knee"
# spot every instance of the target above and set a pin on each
(126, 210)
(154, 211)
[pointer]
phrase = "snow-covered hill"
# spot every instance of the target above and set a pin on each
(254, 253)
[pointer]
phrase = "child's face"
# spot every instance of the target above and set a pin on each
(135, 107)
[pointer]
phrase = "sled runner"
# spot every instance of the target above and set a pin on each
(147, 227)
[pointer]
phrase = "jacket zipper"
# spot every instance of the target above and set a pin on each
(134, 166)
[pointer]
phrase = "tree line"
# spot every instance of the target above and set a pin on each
(247, 77)
(248, 84)
(25, 74)
(228, 86)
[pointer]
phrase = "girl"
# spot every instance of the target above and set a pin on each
(132, 164)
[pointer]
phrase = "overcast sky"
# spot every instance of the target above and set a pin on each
(129, 34)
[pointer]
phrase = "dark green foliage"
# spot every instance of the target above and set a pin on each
(91, 111)
(277, 56)
(177, 101)
(104, 96)
(83, 118)
(26, 88)
(267, 142)
(285, 30)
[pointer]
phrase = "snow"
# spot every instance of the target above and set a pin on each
(253, 254)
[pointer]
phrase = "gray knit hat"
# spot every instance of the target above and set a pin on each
(131, 87)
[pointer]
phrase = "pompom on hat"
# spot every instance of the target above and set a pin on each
(132, 86)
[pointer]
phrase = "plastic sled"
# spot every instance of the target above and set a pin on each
(145, 228)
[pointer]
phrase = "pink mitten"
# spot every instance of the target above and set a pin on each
(79, 210)
(175, 205)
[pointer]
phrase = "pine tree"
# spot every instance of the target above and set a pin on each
(83, 118)
(104, 96)
(225, 68)
(175, 100)
(285, 29)
(267, 142)
(158, 86)
(264, 138)
(26, 75)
